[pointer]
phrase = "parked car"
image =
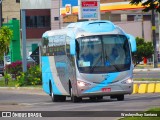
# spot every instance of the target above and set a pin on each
(30, 61)
(1, 67)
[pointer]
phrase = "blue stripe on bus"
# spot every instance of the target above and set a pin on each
(61, 64)
(46, 68)
(112, 76)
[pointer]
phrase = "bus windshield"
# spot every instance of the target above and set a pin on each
(103, 53)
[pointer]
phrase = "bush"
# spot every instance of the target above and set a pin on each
(15, 68)
(144, 49)
(31, 77)
(7, 78)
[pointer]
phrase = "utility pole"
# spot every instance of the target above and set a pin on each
(142, 26)
(59, 15)
(155, 60)
(23, 26)
(0, 13)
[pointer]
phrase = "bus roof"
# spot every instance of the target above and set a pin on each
(86, 28)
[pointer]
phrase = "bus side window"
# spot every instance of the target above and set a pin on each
(68, 45)
(45, 46)
(70, 57)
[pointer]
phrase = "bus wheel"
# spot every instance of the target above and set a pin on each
(54, 98)
(92, 98)
(120, 97)
(74, 98)
(99, 97)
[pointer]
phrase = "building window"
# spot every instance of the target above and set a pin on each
(56, 18)
(37, 21)
(17, 1)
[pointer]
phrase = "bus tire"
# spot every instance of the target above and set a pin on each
(92, 98)
(54, 98)
(120, 97)
(99, 97)
(74, 99)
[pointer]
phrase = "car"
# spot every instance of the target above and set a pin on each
(30, 61)
(2, 67)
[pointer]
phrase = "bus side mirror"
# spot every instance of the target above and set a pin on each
(72, 47)
(132, 41)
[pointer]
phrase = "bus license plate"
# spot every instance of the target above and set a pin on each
(106, 89)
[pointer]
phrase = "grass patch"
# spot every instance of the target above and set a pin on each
(146, 79)
(12, 83)
(145, 66)
(152, 111)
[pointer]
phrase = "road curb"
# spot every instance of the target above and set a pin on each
(142, 87)
(21, 88)
(149, 69)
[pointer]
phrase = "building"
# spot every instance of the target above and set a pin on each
(37, 21)
(40, 20)
(9, 12)
(128, 18)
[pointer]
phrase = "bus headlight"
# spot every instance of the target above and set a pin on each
(128, 81)
(82, 84)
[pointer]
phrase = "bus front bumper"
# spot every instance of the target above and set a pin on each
(106, 91)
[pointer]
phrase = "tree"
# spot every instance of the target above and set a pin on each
(144, 49)
(148, 4)
(5, 38)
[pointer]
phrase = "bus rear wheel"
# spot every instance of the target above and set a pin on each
(56, 98)
(74, 98)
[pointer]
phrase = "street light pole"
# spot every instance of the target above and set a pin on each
(142, 26)
(23, 26)
(155, 60)
(0, 13)
(59, 15)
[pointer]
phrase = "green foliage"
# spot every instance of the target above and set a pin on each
(11, 83)
(31, 77)
(148, 4)
(15, 68)
(7, 78)
(144, 49)
(6, 35)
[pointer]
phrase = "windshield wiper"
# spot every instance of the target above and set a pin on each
(92, 68)
(110, 61)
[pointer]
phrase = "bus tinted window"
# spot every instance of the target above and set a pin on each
(103, 53)
(54, 45)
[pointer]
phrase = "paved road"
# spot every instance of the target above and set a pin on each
(38, 100)
(146, 74)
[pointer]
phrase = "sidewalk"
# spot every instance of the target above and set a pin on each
(24, 90)
(146, 69)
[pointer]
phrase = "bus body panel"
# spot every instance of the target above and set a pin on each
(105, 84)
(54, 73)
(61, 69)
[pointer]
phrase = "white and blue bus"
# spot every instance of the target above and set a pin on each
(87, 59)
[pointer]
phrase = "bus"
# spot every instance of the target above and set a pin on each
(87, 59)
